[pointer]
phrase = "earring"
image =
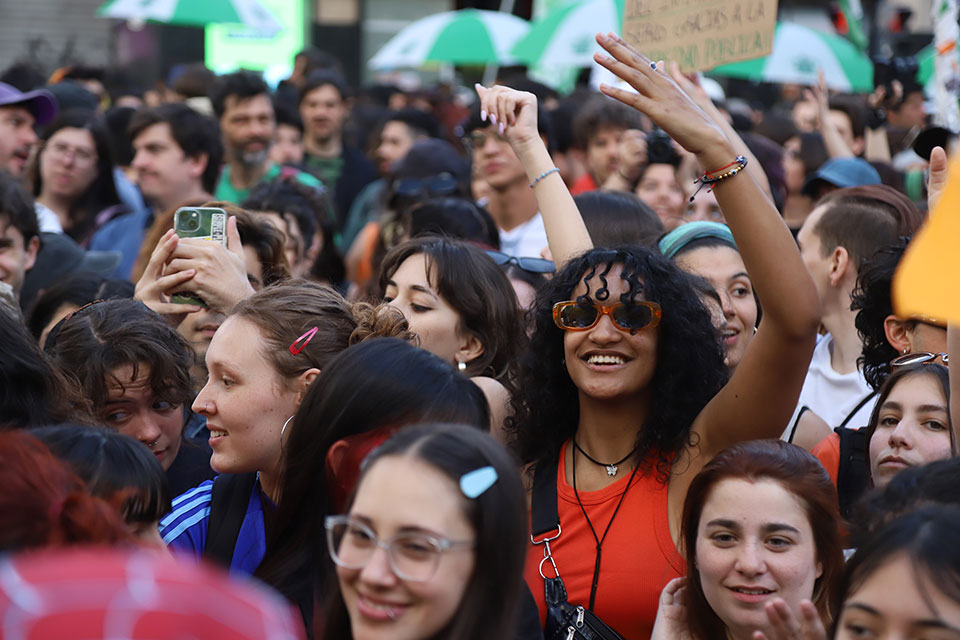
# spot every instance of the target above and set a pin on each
(283, 429)
(563, 363)
(906, 351)
(461, 366)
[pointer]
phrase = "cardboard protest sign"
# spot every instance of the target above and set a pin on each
(926, 283)
(700, 34)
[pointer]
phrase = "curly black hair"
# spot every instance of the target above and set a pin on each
(689, 372)
(872, 301)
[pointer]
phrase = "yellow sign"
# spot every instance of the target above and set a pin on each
(700, 34)
(926, 282)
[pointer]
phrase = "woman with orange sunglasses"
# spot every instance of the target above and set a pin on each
(625, 395)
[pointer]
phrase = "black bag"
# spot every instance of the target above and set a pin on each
(565, 621)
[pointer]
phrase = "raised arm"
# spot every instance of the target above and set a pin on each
(515, 112)
(759, 399)
(691, 86)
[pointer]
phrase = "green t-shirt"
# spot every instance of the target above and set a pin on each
(329, 169)
(226, 191)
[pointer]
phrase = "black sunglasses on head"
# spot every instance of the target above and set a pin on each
(533, 265)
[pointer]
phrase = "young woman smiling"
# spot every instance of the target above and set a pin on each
(761, 527)
(626, 391)
(432, 543)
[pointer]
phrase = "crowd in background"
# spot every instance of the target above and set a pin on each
(615, 364)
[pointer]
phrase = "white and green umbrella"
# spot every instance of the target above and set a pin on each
(193, 12)
(799, 53)
(468, 36)
(566, 36)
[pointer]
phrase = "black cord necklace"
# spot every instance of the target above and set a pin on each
(599, 541)
(612, 467)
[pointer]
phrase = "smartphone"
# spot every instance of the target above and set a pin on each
(205, 223)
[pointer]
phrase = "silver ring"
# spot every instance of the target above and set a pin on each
(653, 65)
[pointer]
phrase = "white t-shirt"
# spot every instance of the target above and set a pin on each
(832, 395)
(525, 241)
(47, 219)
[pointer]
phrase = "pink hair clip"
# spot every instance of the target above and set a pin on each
(300, 343)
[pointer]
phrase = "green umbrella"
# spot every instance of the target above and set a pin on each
(925, 66)
(192, 12)
(566, 35)
(468, 36)
(799, 53)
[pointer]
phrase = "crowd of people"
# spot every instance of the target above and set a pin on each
(618, 364)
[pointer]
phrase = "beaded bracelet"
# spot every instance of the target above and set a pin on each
(542, 176)
(711, 177)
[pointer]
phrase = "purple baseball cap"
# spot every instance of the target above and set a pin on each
(40, 103)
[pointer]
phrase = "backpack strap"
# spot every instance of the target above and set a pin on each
(870, 396)
(852, 475)
(544, 516)
(228, 507)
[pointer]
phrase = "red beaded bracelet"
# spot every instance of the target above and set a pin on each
(711, 177)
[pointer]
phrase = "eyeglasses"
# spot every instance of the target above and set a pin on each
(533, 265)
(574, 315)
(477, 139)
(64, 151)
(920, 357)
(413, 556)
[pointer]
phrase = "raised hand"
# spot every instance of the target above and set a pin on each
(939, 173)
(219, 273)
(784, 625)
(152, 287)
(660, 98)
(513, 112)
(671, 623)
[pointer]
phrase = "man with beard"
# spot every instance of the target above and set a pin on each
(242, 102)
(19, 112)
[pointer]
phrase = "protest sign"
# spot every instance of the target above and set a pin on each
(700, 34)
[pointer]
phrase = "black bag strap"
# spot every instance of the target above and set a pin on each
(852, 475)
(857, 408)
(228, 507)
(544, 516)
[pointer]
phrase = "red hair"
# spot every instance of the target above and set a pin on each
(43, 504)
(797, 472)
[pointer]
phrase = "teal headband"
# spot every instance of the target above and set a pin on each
(672, 243)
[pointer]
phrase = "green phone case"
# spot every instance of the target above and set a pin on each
(205, 223)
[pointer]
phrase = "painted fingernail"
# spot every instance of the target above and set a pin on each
(483, 115)
(501, 128)
(493, 118)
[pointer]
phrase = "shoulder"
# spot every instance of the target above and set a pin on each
(189, 517)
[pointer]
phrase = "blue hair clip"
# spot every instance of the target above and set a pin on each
(474, 483)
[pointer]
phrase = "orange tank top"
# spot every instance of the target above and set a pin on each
(638, 557)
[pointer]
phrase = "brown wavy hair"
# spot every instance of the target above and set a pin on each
(286, 311)
(796, 471)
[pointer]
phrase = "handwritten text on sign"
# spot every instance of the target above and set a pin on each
(700, 34)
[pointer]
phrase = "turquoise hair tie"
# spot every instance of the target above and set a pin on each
(672, 243)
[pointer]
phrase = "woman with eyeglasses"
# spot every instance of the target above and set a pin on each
(368, 392)
(625, 392)
(72, 176)
(432, 542)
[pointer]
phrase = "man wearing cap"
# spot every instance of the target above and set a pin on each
(19, 112)
(839, 173)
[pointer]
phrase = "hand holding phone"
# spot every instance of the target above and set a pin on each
(220, 273)
(204, 223)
